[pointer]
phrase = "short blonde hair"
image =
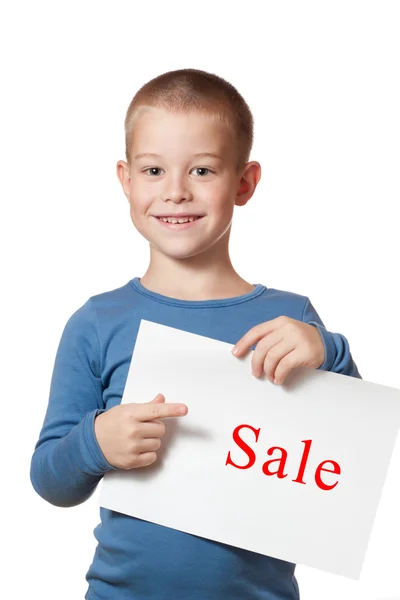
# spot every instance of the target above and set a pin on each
(188, 90)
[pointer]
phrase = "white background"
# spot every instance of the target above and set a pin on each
(322, 80)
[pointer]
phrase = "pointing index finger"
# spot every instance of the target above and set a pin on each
(148, 411)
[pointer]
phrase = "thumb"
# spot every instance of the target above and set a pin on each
(158, 399)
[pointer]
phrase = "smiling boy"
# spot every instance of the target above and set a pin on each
(188, 139)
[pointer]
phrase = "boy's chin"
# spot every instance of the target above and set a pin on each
(179, 253)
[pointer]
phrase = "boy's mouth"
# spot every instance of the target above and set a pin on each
(182, 219)
(179, 223)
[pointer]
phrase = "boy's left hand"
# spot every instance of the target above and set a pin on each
(283, 344)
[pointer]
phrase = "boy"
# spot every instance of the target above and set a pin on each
(188, 139)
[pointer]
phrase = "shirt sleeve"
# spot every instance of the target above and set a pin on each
(67, 461)
(338, 358)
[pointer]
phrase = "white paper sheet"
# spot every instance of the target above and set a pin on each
(191, 488)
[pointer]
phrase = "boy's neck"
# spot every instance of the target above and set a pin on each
(195, 285)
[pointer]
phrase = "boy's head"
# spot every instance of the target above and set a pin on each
(178, 116)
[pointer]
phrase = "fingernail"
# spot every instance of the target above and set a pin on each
(235, 350)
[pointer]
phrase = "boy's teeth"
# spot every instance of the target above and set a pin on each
(171, 220)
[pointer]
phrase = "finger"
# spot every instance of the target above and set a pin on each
(147, 458)
(148, 445)
(149, 411)
(288, 362)
(276, 355)
(152, 429)
(256, 333)
(261, 350)
(158, 399)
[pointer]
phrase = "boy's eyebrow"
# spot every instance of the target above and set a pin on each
(212, 154)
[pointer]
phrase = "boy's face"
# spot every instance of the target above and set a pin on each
(177, 182)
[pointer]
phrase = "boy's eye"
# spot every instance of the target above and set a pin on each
(203, 169)
(151, 169)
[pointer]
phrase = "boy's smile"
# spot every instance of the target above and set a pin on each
(178, 222)
(183, 167)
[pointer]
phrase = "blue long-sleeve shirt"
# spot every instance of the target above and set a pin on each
(135, 559)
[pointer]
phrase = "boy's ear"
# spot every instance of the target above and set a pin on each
(124, 176)
(248, 182)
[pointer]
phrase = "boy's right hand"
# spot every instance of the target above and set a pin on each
(129, 434)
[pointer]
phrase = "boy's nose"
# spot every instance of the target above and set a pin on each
(177, 189)
(177, 195)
